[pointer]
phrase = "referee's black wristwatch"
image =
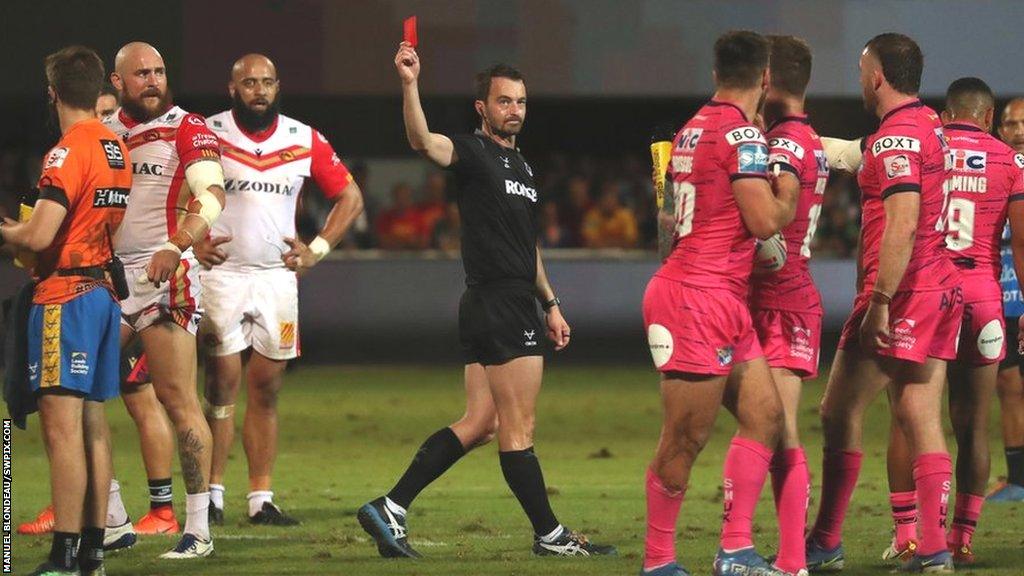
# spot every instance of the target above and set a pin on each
(551, 304)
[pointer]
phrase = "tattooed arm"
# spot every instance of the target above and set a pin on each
(667, 223)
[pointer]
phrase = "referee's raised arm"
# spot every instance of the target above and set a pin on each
(438, 148)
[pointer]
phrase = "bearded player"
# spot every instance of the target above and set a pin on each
(702, 339)
(906, 318)
(177, 194)
(785, 304)
(250, 289)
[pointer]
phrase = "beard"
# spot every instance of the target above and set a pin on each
(504, 130)
(137, 110)
(251, 120)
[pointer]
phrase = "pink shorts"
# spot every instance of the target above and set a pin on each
(983, 336)
(790, 340)
(922, 324)
(697, 330)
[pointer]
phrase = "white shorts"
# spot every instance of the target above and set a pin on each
(177, 300)
(251, 309)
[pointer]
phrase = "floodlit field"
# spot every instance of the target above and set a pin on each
(348, 432)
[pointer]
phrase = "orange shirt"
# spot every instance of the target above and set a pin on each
(90, 166)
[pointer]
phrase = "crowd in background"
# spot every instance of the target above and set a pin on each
(585, 202)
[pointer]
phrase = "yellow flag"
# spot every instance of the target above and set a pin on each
(24, 258)
(661, 151)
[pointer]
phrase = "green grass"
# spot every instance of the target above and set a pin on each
(347, 433)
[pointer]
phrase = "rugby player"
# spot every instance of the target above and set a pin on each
(74, 320)
(501, 327)
(177, 194)
(250, 289)
(785, 305)
(987, 177)
(108, 101)
(906, 317)
(719, 197)
(1010, 387)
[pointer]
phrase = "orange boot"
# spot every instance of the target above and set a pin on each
(43, 523)
(158, 521)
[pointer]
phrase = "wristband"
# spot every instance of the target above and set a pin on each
(170, 246)
(551, 304)
(319, 247)
(879, 297)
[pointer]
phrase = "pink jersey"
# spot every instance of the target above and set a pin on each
(713, 247)
(908, 154)
(795, 147)
(986, 174)
(160, 151)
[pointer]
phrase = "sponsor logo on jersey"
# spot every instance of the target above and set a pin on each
(519, 189)
(204, 140)
(56, 157)
(146, 168)
(897, 166)
(822, 161)
(968, 160)
(682, 164)
(752, 159)
(744, 134)
(895, 143)
(689, 138)
(287, 333)
(724, 356)
(788, 145)
(112, 150)
(504, 161)
(79, 363)
(110, 198)
(529, 334)
(1018, 159)
(238, 185)
(194, 120)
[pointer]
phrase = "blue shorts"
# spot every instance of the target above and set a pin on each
(75, 346)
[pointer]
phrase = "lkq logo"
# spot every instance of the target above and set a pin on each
(529, 334)
(968, 160)
(519, 189)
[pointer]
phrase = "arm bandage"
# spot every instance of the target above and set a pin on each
(320, 247)
(842, 155)
(200, 176)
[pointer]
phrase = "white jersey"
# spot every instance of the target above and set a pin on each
(263, 176)
(160, 150)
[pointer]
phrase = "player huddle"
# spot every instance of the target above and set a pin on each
(727, 324)
(189, 224)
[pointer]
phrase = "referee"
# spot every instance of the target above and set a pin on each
(501, 325)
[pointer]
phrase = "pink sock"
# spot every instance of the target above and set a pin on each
(933, 473)
(904, 516)
(662, 513)
(746, 467)
(840, 469)
(791, 484)
(965, 519)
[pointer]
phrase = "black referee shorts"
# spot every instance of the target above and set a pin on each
(1013, 357)
(501, 322)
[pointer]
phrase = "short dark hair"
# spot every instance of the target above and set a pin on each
(901, 59)
(741, 57)
(108, 89)
(76, 74)
(483, 79)
(969, 95)
(790, 64)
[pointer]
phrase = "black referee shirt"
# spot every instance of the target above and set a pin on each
(497, 201)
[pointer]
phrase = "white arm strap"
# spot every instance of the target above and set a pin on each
(200, 177)
(844, 155)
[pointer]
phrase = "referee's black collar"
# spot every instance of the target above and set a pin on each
(486, 136)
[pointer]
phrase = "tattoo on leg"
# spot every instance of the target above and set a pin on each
(190, 448)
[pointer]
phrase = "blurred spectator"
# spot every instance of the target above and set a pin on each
(609, 224)
(447, 231)
(108, 101)
(577, 203)
(552, 233)
(435, 193)
(401, 226)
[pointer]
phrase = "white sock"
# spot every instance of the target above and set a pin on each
(197, 522)
(116, 514)
(256, 500)
(395, 508)
(553, 535)
(217, 496)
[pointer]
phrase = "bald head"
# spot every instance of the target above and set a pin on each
(1011, 124)
(254, 89)
(141, 78)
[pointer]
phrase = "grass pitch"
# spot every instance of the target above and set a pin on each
(347, 433)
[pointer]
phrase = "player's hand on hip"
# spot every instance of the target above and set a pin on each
(558, 328)
(1020, 336)
(162, 266)
(208, 251)
(300, 258)
(874, 329)
(407, 63)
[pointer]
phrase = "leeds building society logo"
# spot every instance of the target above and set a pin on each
(79, 363)
(529, 334)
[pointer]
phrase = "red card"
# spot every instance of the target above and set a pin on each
(410, 31)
